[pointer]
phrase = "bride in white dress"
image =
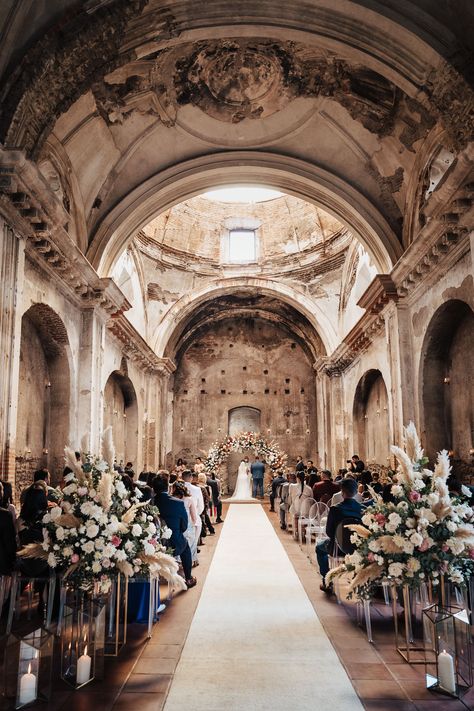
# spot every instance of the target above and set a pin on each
(243, 485)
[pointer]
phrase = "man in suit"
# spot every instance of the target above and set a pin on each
(213, 484)
(300, 467)
(356, 465)
(7, 540)
(257, 469)
(276, 486)
(173, 513)
(325, 489)
(348, 508)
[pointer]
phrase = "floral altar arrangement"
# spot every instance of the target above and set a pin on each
(243, 441)
(424, 533)
(100, 528)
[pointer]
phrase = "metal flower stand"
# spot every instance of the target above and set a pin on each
(82, 639)
(409, 636)
(28, 667)
(116, 615)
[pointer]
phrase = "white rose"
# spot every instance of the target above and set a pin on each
(418, 484)
(151, 529)
(67, 552)
(456, 545)
(451, 526)
(52, 560)
(166, 533)
(129, 546)
(120, 488)
(88, 547)
(113, 525)
(96, 567)
(149, 548)
(394, 520)
(395, 570)
(396, 490)
(60, 533)
(413, 565)
(136, 530)
(399, 541)
(55, 513)
(120, 555)
(416, 538)
(92, 530)
(410, 523)
(432, 499)
(367, 519)
(374, 546)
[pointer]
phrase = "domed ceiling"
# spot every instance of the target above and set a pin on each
(289, 233)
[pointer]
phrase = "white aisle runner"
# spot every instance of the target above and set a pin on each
(255, 642)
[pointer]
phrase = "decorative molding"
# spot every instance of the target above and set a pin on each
(31, 209)
(137, 349)
(378, 294)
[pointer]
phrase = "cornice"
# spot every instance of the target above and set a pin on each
(137, 349)
(34, 213)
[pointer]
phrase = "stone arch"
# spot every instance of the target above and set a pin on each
(291, 175)
(44, 398)
(178, 315)
(447, 381)
(121, 413)
(371, 419)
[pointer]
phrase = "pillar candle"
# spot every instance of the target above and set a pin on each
(83, 668)
(28, 684)
(446, 676)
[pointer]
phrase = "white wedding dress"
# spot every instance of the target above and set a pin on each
(243, 485)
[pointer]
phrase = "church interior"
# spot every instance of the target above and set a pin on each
(220, 219)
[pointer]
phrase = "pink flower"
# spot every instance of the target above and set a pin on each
(116, 541)
(424, 546)
(153, 541)
(415, 496)
(370, 556)
(471, 553)
(444, 548)
(74, 558)
(380, 518)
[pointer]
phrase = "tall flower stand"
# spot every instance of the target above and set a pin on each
(116, 604)
(82, 639)
(28, 666)
(408, 634)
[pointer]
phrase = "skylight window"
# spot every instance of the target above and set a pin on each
(242, 246)
(243, 194)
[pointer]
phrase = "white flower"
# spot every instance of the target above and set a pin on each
(354, 559)
(396, 490)
(451, 526)
(149, 548)
(432, 499)
(109, 550)
(367, 519)
(136, 530)
(399, 540)
(121, 489)
(67, 552)
(138, 494)
(92, 530)
(426, 514)
(151, 529)
(408, 547)
(96, 567)
(394, 520)
(410, 523)
(129, 546)
(379, 559)
(120, 555)
(102, 466)
(82, 491)
(456, 577)
(374, 546)
(56, 512)
(70, 489)
(99, 543)
(466, 491)
(413, 565)
(113, 525)
(416, 538)
(60, 533)
(46, 518)
(52, 560)
(166, 533)
(418, 484)
(395, 570)
(402, 506)
(456, 545)
(88, 547)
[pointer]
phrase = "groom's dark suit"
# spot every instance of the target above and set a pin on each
(257, 470)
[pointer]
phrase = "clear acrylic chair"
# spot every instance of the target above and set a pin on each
(303, 518)
(316, 528)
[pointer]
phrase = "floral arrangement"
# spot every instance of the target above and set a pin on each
(268, 451)
(100, 528)
(424, 533)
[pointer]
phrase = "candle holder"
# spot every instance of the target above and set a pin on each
(82, 639)
(447, 641)
(28, 666)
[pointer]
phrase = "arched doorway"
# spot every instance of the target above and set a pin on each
(121, 413)
(447, 381)
(241, 419)
(44, 395)
(371, 420)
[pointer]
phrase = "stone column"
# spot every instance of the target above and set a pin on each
(337, 421)
(322, 413)
(12, 264)
(90, 397)
(402, 366)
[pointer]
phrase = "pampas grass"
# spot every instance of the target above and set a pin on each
(366, 575)
(388, 545)
(68, 520)
(405, 473)
(361, 531)
(412, 443)
(74, 465)
(105, 490)
(33, 550)
(442, 468)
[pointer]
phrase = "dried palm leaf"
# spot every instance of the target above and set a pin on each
(366, 575)
(388, 545)
(74, 465)
(68, 520)
(33, 550)
(441, 510)
(361, 531)
(335, 573)
(129, 516)
(376, 498)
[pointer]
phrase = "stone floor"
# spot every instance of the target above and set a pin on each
(140, 677)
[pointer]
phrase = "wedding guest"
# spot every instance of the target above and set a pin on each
(7, 538)
(299, 464)
(6, 501)
(349, 508)
(142, 485)
(173, 513)
(206, 494)
(129, 470)
(337, 498)
(356, 465)
(325, 489)
(340, 476)
(311, 473)
(179, 491)
(364, 478)
(196, 493)
(277, 482)
(199, 466)
(298, 492)
(377, 486)
(284, 499)
(215, 485)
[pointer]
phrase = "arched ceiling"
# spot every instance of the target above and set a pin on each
(126, 92)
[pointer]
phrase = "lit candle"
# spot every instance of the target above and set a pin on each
(446, 676)
(28, 686)
(83, 668)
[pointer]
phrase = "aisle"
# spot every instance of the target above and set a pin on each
(255, 641)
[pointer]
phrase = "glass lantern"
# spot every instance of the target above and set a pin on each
(27, 668)
(82, 639)
(447, 649)
(116, 604)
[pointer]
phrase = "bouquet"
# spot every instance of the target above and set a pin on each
(424, 533)
(100, 528)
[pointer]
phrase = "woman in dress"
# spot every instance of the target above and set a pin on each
(243, 485)
(180, 491)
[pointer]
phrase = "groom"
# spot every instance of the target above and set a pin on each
(257, 469)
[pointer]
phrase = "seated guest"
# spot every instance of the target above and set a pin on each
(35, 505)
(311, 473)
(338, 497)
(376, 485)
(284, 499)
(179, 491)
(364, 478)
(53, 495)
(299, 492)
(348, 508)
(7, 539)
(214, 485)
(276, 487)
(340, 475)
(173, 513)
(324, 490)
